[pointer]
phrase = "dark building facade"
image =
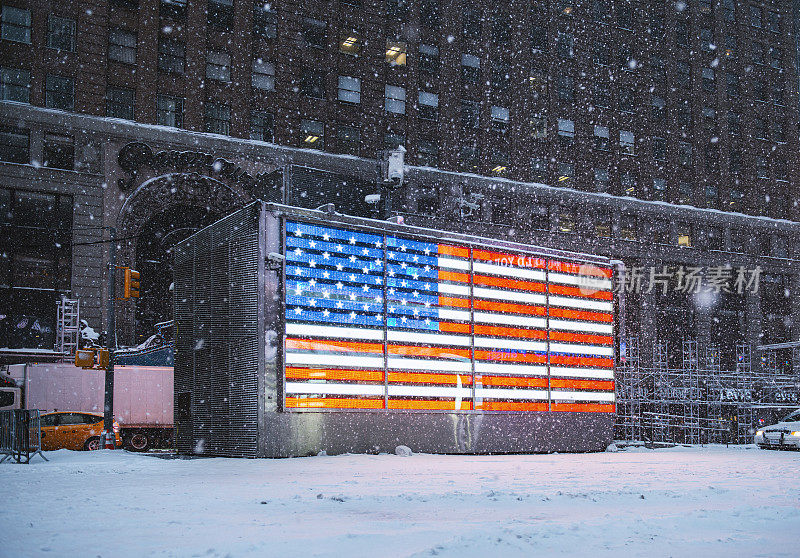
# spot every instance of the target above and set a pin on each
(657, 133)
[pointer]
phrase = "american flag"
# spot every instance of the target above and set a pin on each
(381, 321)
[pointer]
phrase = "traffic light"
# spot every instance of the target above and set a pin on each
(130, 287)
(84, 358)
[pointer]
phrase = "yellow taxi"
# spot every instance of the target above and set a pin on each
(75, 431)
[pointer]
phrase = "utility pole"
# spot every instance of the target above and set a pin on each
(108, 407)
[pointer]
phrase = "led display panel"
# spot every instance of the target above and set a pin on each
(380, 321)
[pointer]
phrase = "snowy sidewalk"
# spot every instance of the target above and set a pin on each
(697, 502)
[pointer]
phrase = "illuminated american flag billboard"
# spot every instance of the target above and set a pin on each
(380, 321)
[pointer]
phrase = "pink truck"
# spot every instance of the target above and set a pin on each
(143, 397)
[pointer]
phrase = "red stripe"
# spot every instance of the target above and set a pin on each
(458, 251)
(514, 381)
(425, 378)
(511, 406)
(581, 315)
(599, 385)
(581, 338)
(516, 260)
(583, 292)
(582, 361)
(454, 301)
(582, 407)
(579, 269)
(453, 276)
(293, 373)
(498, 331)
(332, 403)
(428, 404)
(509, 283)
(451, 327)
(334, 346)
(427, 351)
(509, 307)
(501, 356)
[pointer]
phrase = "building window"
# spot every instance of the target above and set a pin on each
(427, 153)
(627, 142)
(58, 152)
(538, 83)
(262, 126)
(59, 92)
(218, 118)
(777, 91)
(709, 80)
(625, 15)
(392, 141)
(218, 66)
(684, 235)
(565, 220)
(263, 75)
(122, 46)
(349, 89)
(659, 189)
(735, 161)
(775, 57)
(500, 28)
(712, 159)
(348, 140)
(312, 134)
(729, 10)
(602, 94)
(683, 75)
(61, 33)
(778, 133)
(470, 158)
(775, 22)
(684, 114)
(429, 13)
(565, 44)
(539, 169)
(428, 105)
(628, 227)
(16, 25)
(755, 16)
(601, 180)
(707, 39)
(685, 193)
(498, 163)
(315, 32)
(470, 114)
(173, 9)
(602, 224)
(15, 85)
(350, 43)
(759, 128)
(566, 173)
(501, 74)
(685, 153)
(538, 127)
(659, 149)
(627, 100)
(470, 68)
(220, 14)
(566, 130)
(658, 108)
(731, 46)
(733, 84)
(734, 123)
(169, 111)
(171, 56)
(762, 171)
(396, 53)
(119, 103)
(538, 36)
(602, 53)
(397, 9)
(313, 83)
(395, 99)
(499, 119)
(14, 145)
(566, 89)
(429, 59)
(265, 21)
(682, 34)
(628, 182)
(601, 136)
(471, 23)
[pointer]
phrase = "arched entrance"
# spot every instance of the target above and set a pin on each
(161, 212)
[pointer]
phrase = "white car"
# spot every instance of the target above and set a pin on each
(784, 435)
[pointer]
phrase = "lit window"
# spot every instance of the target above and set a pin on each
(349, 89)
(350, 43)
(566, 221)
(628, 182)
(566, 129)
(684, 235)
(470, 68)
(396, 53)
(428, 105)
(628, 227)
(500, 119)
(312, 134)
(498, 165)
(627, 143)
(566, 172)
(263, 75)
(395, 98)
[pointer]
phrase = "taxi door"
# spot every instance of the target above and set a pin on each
(72, 431)
(49, 425)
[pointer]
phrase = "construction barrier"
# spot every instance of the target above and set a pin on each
(20, 435)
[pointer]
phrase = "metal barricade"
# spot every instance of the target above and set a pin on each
(20, 435)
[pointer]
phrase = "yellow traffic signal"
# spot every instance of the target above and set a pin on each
(84, 358)
(130, 287)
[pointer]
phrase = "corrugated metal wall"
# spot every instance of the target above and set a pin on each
(216, 348)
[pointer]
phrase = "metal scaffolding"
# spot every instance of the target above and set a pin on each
(699, 401)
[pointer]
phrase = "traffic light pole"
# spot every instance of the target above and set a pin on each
(108, 407)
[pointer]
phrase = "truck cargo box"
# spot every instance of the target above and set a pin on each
(299, 331)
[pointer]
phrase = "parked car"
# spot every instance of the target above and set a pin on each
(75, 431)
(784, 435)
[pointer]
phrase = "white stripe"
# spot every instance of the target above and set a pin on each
(448, 314)
(518, 296)
(488, 318)
(534, 394)
(428, 338)
(594, 327)
(590, 304)
(452, 263)
(557, 395)
(581, 349)
(309, 330)
(334, 360)
(398, 363)
(429, 391)
(334, 389)
(449, 288)
(507, 271)
(585, 281)
(593, 373)
(495, 343)
(484, 367)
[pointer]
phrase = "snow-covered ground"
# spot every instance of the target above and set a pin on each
(701, 502)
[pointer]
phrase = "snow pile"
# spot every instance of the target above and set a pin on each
(711, 501)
